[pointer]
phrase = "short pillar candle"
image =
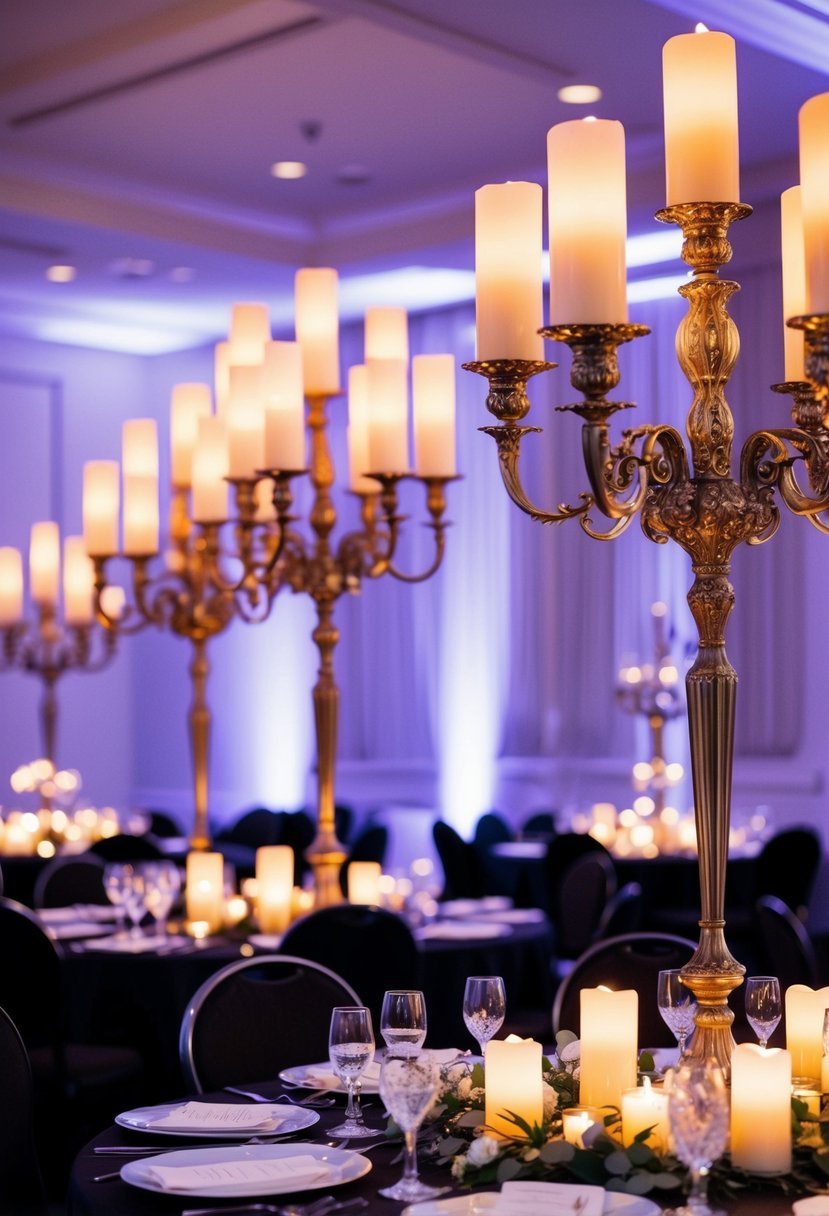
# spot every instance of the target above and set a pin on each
(761, 1120)
(513, 1083)
(204, 889)
(805, 1010)
(645, 1107)
(275, 887)
(609, 1033)
(364, 882)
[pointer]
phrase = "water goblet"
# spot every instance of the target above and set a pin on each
(351, 1048)
(764, 1007)
(135, 902)
(162, 883)
(698, 1118)
(484, 1007)
(408, 1085)
(677, 1006)
(116, 886)
(403, 1021)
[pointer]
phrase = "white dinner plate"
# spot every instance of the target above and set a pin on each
(296, 1119)
(299, 1077)
(344, 1166)
(471, 907)
(68, 930)
(470, 1205)
(462, 931)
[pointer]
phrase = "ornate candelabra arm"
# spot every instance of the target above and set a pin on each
(13, 637)
(130, 619)
(436, 506)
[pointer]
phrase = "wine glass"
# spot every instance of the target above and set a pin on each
(403, 1021)
(676, 1005)
(408, 1084)
(351, 1047)
(484, 1007)
(134, 902)
(162, 883)
(764, 1007)
(116, 885)
(698, 1119)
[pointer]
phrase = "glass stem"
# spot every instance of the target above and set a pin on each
(352, 1109)
(699, 1189)
(410, 1157)
(683, 1035)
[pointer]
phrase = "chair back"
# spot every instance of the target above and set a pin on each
(631, 960)
(255, 828)
(788, 865)
(372, 949)
(540, 823)
(462, 878)
(622, 913)
(70, 880)
(126, 848)
(256, 1017)
(21, 1186)
(786, 949)
(30, 976)
(586, 886)
(491, 829)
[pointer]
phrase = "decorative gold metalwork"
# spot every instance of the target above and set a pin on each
(708, 513)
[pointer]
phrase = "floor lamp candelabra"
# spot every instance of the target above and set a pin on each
(51, 645)
(702, 506)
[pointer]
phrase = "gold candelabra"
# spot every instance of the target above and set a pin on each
(702, 506)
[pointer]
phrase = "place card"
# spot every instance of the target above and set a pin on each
(297, 1171)
(549, 1199)
(220, 1116)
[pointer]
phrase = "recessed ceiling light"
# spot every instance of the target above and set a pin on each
(579, 94)
(60, 274)
(182, 274)
(289, 170)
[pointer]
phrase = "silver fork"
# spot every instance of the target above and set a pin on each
(316, 1099)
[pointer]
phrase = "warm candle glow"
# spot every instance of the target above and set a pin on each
(204, 889)
(588, 222)
(188, 403)
(101, 503)
(141, 522)
(44, 564)
(78, 583)
(794, 280)
(761, 1121)
(139, 448)
(11, 587)
(274, 887)
(576, 1120)
(512, 1080)
(805, 1009)
(701, 136)
(644, 1106)
(609, 1032)
(250, 330)
(364, 882)
(358, 457)
(508, 291)
(814, 186)
(245, 417)
(210, 491)
(433, 407)
(387, 334)
(284, 406)
(388, 449)
(317, 329)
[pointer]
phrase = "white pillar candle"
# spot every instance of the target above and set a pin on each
(388, 449)
(508, 280)
(139, 448)
(512, 1081)
(245, 421)
(809, 1095)
(433, 407)
(702, 160)
(358, 454)
(576, 1120)
(364, 882)
(188, 403)
(141, 521)
(794, 280)
(101, 502)
(805, 1010)
(824, 1074)
(221, 374)
(209, 503)
(204, 889)
(250, 330)
(814, 185)
(11, 587)
(387, 334)
(609, 1031)
(588, 222)
(284, 406)
(274, 886)
(642, 1107)
(44, 564)
(761, 1120)
(78, 583)
(317, 329)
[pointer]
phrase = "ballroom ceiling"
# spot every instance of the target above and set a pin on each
(136, 141)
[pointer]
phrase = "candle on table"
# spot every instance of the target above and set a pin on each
(284, 406)
(508, 288)
(387, 333)
(78, 583)
(700, 102)
(387, 416)
(358, 457)
(433, 407)
(317, 329)
(101, 501)
(513, 1082)
(274, 887)
(250, 330)
(11, 587)
(814, 186)
(209, 472)
(642, 1107)
(44, 564)
(805, 1010)
(364, 882)
(609, 1029)
(588, 222)
(809, 1095)
(794, 280)
(188, 403)
(204, 889)
(245, 420)
(576, 1120)
(761, 1122)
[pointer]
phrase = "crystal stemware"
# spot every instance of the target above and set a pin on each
(698, 1119)
(484, 1007)
(408, 1085)
(676, 1005)
(117, 885)
(351, 1047)
(764, 1007)
(403, 1021)
(162, 883)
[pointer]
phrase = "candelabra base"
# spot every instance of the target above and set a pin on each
(326, 858)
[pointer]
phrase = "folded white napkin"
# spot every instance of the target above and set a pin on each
(457, 930)
(323, 1076)
(548, 1199)
(290, 1172)
(815, 1205)
(221, 1116)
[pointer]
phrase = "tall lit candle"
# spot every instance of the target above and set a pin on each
(78, 583)
(245, 421)
(508, 287)
(433, 408)
(387, 333)
(250, 331)
(387, 416)
(761, 1119)
(275, 887)
(358, 454)
(221, 374)
(805, 1009)
(512, 1080)
(11, 587)
(210, 491)
(645, 1107)
(609, 1030)
(794, 280)
(588, 222)
(44, 564)
(814, 185)
(188, 403)
(204, 889)
(101, 504)
(702, 160)
(284, 406)
(139, 448)
(364, 882)
(141, 523)
(317, 329)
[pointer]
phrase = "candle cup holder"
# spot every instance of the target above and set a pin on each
(594, 371)
(507, 397)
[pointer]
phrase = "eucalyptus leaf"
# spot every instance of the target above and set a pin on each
(450, 1145)
(617, 1162)
(471, 1118)
(557, 1152)
(646, 1062)
(563, 1039)
(638, 1183)
(639, 1153)
(507, 1169)
(665, 1182)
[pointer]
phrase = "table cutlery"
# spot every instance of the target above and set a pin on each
(322, 1207)
(135, 1150)
(316, 1099)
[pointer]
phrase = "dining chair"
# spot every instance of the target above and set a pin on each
(631, 960)
(256, 1017)
(788, 865)
(539, 824)
(462, 877)
(583, 893)
(125, 847)
(491, 829)
(70, 880)
(622, 913)
(372, 949)
(21, 1184)
(785, 948)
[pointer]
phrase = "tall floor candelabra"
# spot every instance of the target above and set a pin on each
(702, 506)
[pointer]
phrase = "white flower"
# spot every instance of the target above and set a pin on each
(464, 1088)
(459, 1164)
(530, 1154)
(483, 1150)
(571, 1052)
(550, 1101)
